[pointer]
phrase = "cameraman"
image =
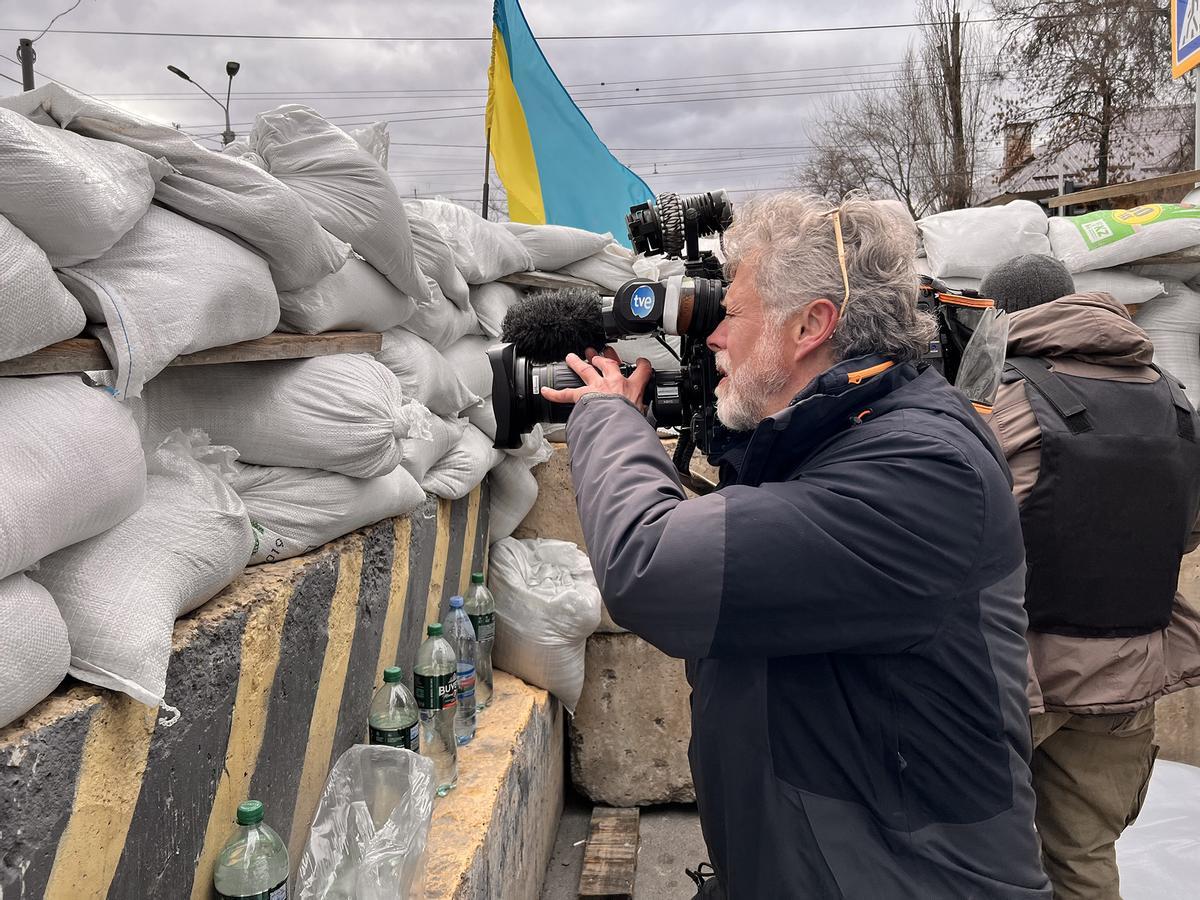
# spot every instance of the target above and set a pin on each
(850, 599)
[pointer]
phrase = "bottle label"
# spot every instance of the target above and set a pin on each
(405, 738)
(436, 691)
(485, 626)
(466, 682)
(279, 892)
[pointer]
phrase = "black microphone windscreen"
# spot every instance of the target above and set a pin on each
(548, 325)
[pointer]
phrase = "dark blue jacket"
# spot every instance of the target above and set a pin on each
(851, 607)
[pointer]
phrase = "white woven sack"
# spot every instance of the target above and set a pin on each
(969, 242)
(355, 298)
(424, 374)
(514, 491)
(340, 413)
(1173, 324)
(553, 246)
(468, 357)
(534, 449)
(646, 347)
(221, 191)
(294, 511)
(547, 604)
(436, 259)
(1125, 286)
(422, 450)
(491, 303)
(375, 139)
(466, 465)
(483, 250)
(483, 417)
(121, 591)
(35, 309)
(344, 187)
(34, 652)
(169, 287)
(71, 466)
(1113, 237)
(441, 322)
(71, 195)
(921, 265)
(610, 268)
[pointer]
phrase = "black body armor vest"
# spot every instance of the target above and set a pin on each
(1116, 497)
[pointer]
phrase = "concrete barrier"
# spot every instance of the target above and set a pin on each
(102, 797)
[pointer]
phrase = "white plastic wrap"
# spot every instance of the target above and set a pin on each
(36, 309)
(424, 374)
(121, 591)
(375, 139)
(1159, 854)
(369, 834)
(34, 652)
(547, 604)
(969, 242)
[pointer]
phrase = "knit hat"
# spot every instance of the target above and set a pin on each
(1026, 281)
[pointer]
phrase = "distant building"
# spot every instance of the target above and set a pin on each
(1154, 141)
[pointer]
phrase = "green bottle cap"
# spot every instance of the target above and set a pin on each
(434, 630)
(392, 674)
(250, 812)
(476, 578)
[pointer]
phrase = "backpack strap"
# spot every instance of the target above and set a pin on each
(1061, 398)
(1184, 413)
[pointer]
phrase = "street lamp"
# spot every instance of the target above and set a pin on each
(231, 69)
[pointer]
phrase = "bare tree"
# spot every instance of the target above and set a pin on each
(1084, 66)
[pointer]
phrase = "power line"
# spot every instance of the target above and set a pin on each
(13, 80)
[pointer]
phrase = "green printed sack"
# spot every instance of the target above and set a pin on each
(1114, 237)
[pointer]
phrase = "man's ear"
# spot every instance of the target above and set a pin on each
(812, 326)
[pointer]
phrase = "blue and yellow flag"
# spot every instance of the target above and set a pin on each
(554, 168)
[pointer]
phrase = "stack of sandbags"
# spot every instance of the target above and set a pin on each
(483, 251)
(1173, 324)
(967, 243)
(38, 310)
(71, 467)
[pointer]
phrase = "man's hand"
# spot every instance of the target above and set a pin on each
(601, 374)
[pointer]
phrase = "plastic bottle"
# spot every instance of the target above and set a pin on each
(481, 609)
(254, 862)
(458, 630)
(435, 683)
(393, 720)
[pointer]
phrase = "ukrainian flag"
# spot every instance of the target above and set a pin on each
(554, 168)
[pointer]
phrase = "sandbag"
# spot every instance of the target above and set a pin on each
(436, 259)
(647, 347)
(121, 591)
(294, 511)
(468, 358)
(35, 309)
(491, 302)
(220, 191)
(73, 196)
(344, 187)
(610, 268)
(483, 250)
(514, 491)
(354, 298)
(340, 413)
(458, 472)
(172, 286)
(441, 322)
(375, 139)
(483, 417)
(970, 242)
(424, 374)
(71, 466)
(1127, 287)
(921, 266)
(1173, 324)
(1113, 237)
(547, 604)
(34, 652)
(553, 246)
(534, 448)
(422, 449)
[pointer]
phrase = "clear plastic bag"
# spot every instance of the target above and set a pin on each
(983, 359)
(369, 833)
(1159, 855)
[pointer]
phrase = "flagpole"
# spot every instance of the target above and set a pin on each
(487, 149)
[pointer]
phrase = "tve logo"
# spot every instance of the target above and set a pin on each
(642, 301)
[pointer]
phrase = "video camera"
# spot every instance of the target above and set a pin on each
(543, 329)
(958, 314)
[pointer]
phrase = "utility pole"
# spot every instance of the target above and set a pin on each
(231, 69)
(487, 151)
(26, 54)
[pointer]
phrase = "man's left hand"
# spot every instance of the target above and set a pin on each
(601, 374)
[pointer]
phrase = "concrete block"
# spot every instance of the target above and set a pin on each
(630, 734)
(493, 834)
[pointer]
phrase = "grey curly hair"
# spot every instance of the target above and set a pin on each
(791, 240)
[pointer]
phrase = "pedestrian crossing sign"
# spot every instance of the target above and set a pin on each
(1185, 36)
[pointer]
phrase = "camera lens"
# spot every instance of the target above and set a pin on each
(700, 310)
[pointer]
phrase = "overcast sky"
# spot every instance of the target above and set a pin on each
(696, 145)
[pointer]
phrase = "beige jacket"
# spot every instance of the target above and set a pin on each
(1092, 336)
